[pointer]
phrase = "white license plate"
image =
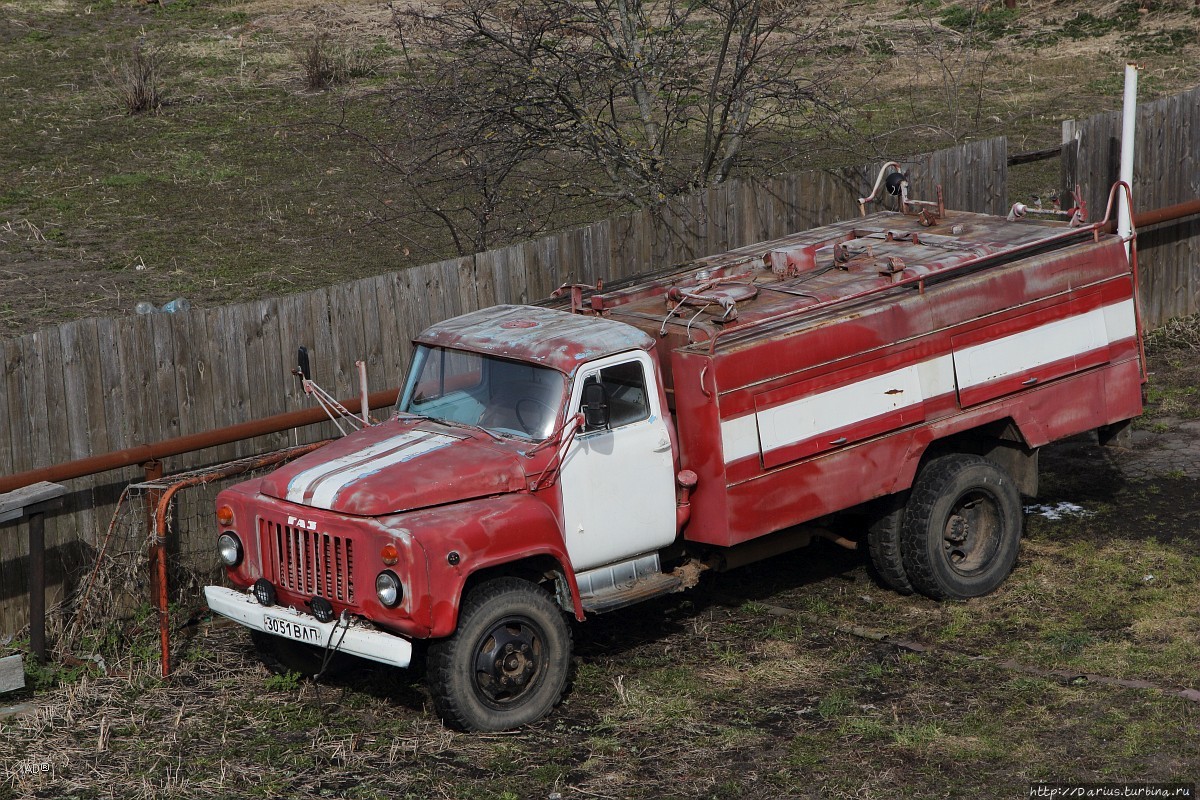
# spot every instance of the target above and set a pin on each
(292, 630)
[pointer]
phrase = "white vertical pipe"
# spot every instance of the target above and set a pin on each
(362, 385)
(1128, 119)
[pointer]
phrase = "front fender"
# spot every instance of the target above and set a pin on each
(461, 539)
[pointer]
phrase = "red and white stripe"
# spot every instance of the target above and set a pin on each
(319, 485)
(976, 371)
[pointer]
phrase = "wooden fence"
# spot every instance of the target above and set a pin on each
(1166, 171)
(98, 385)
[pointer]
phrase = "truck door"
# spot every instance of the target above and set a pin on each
(618, 484)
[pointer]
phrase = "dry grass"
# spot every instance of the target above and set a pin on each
(1178, 333)
(133, 81)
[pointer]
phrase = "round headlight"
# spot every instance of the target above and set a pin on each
(388, 587)
(229, 548)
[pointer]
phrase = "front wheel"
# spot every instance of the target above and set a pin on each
(961, 528)
(507, 664)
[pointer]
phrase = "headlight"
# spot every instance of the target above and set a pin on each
(388, 587)
(229, 548)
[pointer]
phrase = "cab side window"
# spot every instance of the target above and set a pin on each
(625, 385)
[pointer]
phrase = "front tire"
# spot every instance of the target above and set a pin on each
(507, 664)
(961, 528)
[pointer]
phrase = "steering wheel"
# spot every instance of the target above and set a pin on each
(526, 402)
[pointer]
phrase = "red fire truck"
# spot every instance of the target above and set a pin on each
(557, 461)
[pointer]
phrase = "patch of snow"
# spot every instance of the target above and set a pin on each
(1058, 510)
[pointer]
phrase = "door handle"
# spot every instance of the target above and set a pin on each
(839, 440)
(663, 445)
(1029, 381)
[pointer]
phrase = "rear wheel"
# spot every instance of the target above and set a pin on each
(507, 664)
(961, 528)
(883, 543)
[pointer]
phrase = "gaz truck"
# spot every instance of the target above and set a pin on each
(546, 463)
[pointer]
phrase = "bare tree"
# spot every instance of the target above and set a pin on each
(509, 109)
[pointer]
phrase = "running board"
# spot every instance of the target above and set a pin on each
(619, 585)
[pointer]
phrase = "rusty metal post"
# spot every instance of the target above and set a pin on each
(164, 613)
(37, 585)
(158, 556)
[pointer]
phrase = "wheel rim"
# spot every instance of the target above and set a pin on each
(509, 662)
(972, 533)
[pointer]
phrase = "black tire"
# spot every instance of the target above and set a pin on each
(282, 656)
(961, 529)
(883, 543)
(507, 664)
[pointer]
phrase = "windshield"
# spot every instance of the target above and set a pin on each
(505, 397)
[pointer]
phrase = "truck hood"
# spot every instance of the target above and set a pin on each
(399, 465)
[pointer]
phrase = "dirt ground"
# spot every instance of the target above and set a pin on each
(795, 678)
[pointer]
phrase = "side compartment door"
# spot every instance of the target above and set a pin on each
(1030, 349)
(618, 484)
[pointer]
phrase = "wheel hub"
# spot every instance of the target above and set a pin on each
(507, 661)
(970, 533)
(958, 529)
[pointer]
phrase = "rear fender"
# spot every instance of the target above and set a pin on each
(1001, 440)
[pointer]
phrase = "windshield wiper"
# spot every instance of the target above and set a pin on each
(453, 423)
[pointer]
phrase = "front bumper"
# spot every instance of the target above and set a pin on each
(359, 640)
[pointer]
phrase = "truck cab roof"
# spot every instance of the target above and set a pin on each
(546, 336)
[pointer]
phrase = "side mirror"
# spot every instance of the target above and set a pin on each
(302, 365)
(595, 406)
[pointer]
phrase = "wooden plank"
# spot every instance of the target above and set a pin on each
(346, 325)
(599, 246)
(408, 321)
(485, 282)
(322, 350)
(506, 270)
(16, 422)
(34, 398)
(166, 372)
(85, 378)
(374, 311)
(388, 368)
(112, 382)
(294, 330)
(70, 377)
(585, 245)
(136, 351)
(233, 373)
(27, 497)
(189, 390)
(266, 386)
(12, 673)
(465, 283)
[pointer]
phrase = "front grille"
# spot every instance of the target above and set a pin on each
(311, 563)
